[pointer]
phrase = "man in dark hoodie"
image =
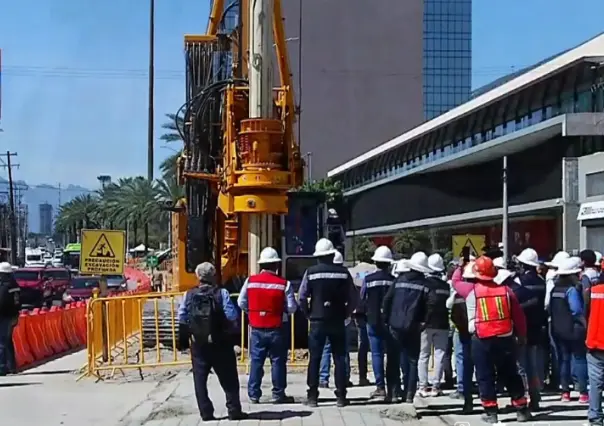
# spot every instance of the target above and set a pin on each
(403, 310)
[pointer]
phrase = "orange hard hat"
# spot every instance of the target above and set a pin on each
(484, 269)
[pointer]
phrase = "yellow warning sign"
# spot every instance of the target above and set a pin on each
(474, 242)
(103, 252)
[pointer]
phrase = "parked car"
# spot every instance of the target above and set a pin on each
(80, 288)
(36, 291)
(116, 283)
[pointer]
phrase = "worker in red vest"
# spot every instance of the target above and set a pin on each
(594, 302)
(267, 298)
(494, 318)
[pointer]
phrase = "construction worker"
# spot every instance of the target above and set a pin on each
(374, 288)
(338, 259)
(462, 340)
(10, 304)
(591, 274)
(569, 328)
(403, 309)
(359, 316)
(494, 315)
(333, 298)
(594, 304)
(529, 289)
(267, 298)
(208, 318)
(436, 332)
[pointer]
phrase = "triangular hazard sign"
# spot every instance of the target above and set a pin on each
(473, 250)
(102, 249)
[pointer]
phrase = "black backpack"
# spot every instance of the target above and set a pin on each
(204, 318)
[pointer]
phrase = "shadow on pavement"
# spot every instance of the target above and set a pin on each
(15, 385)
(554, 413)
(277, 415)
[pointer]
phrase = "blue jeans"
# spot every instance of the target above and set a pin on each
(572, 353)
(267, 342)
(326, 360)
(528, 365)
(463, 364)
(595, 370)
(377, 341)
(7, 350)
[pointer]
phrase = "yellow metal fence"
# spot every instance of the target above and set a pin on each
(141, 331)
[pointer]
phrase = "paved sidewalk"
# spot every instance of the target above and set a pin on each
(50, 396)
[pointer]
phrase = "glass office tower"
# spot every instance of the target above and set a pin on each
(447, 68)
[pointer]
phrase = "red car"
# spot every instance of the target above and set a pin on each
(40, 285)
(81, 288)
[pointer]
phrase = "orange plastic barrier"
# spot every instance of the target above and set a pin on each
(43, 333)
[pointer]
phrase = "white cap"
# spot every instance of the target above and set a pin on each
(269, 255)
(419, 262)
(570, 266)
(528, 257)
(338, 259)
(382, 254)
(558, 258)
(468, 271)
(498, 263)
(401, 266)
(324, 247)
(6, 268)
(436, 263)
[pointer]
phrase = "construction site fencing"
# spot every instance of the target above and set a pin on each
(141, 331)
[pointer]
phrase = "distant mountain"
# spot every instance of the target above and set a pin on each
(35, 195)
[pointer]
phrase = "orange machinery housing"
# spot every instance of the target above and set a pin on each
(232, 166)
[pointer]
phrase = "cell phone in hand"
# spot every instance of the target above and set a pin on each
(465, 254)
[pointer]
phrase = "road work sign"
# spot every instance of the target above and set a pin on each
(103, 252)
(474, 242)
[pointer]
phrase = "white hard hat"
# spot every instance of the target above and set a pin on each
(502, 275)
(558, 258)
(436, 263)
(382, 255)
(6, 268)
(570, 266)
(598, 257)
(401, 266)
(498, 263)
(324, 247)
(269, 255)
(468, 271)
(338, 259)
(529, 257)
(419, 262)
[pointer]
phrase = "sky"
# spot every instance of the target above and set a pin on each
(74, 73)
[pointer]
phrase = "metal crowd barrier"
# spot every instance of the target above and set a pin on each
(140, 331)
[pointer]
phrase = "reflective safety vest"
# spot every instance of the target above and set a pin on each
(266, 300)
(493, 312)
(595, 326)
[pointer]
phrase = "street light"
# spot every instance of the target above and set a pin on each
(151, 89)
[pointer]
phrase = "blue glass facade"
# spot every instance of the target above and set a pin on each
(447, 66)
(574, 90)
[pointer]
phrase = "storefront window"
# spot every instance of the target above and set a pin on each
(594, 184)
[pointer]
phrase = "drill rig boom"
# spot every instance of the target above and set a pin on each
(240, 158)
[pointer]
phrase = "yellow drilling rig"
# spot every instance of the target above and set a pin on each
(240, 158)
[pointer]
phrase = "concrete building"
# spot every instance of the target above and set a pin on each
(365, 72)
(591, 197)
(45, 210)
(446, 174)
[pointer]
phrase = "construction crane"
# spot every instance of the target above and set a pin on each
(240, 158)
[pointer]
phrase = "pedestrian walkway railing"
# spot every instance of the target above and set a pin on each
(141, 331)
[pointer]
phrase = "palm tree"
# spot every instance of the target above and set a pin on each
(175, 127)
(139, 200)
(169, 166)
(80, 213)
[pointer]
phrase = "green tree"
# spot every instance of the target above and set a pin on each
(407, 242)
(174, 128)
(363, 248)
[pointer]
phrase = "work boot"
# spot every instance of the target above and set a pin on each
(363, 381)
(283, 399)
(534, 402)
(341, 402)
(523, 415)
(237, 415)
(378, 394)
(490, 415)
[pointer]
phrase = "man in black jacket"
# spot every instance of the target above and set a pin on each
(10, 305)
(436, 332)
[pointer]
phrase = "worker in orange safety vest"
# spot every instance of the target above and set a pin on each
(494, 317)
(267, 298)
(594, 303)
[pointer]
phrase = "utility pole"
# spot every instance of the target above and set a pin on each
(11, 201)
(151, 89)
(504, 224)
